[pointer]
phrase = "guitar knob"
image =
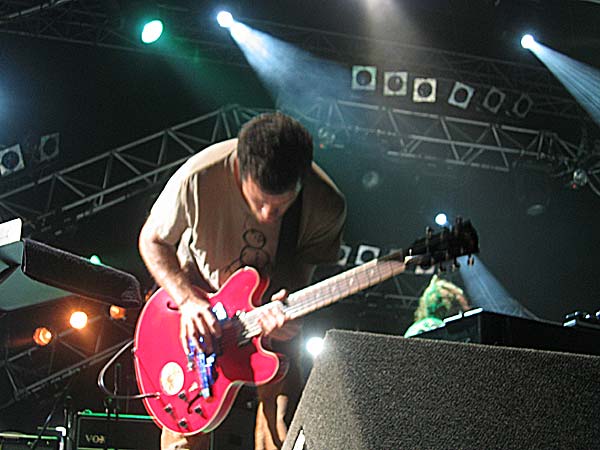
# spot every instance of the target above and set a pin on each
(198, 410)
(182, 396)
(182, 423)
(169, 409)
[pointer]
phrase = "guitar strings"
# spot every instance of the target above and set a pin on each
(320, 294)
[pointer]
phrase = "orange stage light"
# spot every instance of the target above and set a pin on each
(42, 336)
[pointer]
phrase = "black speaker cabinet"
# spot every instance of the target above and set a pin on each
(369, 391)
(125, 432)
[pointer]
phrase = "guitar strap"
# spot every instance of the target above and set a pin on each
(288, 235)
(286, 247)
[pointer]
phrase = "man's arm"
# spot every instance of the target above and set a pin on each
(197, 319)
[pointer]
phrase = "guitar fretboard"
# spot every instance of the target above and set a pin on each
(329, 291)
(334, 289)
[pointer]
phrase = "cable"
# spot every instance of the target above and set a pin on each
(102, 372)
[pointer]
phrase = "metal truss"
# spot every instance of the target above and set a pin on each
(55, 200)
(36, 370)
(397, 134)
(93, 22)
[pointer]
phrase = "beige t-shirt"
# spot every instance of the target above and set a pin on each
(203, 209)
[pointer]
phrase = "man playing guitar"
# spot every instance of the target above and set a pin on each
(224, 210)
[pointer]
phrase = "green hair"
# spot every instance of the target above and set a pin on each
(441, 299)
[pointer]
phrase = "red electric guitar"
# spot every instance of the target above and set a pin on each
(193, 393)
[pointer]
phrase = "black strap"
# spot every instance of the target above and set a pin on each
(288, 234)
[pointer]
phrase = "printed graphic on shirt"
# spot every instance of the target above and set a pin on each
(253, 252)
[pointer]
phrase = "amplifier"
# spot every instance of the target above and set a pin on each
(123, 432)
(484, 327)
(19, 441)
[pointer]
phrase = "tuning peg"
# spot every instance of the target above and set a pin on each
(471, 260)
(458, 220)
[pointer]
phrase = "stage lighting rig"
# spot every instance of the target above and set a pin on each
(580, 178)
(11, 160)
(225, 19)
(395, 83)
(152, 31)
(42, 336)
(522, 106)
(364, 78)
(78, 320)
(461, 95)
(527, 41)
(49, 146)
(493, 100)
(366, 253)
(424, 90)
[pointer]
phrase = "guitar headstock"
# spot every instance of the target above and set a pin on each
(446, 245)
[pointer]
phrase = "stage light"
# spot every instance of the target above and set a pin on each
(42, 336)
(424, 90)
(441, 219)
(493, 100)
(314, 346)
(95, 259)
(395, 83)
(152, 31)
(78, 320)
(345, 251)
(580, 178)
(366, 253)
(527, 41)
(364, 78)
(11, 160)
(49, 146)
(522, 106)
(117, 313)
(325, 137)
(225, 19)
(461, 95)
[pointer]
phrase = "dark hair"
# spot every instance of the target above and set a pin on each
(276, 151)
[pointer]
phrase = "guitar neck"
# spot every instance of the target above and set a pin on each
(334, 289)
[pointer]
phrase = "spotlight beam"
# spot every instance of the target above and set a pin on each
(582, 81)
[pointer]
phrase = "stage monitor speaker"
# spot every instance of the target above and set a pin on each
(377, 392)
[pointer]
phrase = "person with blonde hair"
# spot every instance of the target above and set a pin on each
(440, 299)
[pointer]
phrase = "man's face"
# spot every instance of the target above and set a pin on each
(267, 208)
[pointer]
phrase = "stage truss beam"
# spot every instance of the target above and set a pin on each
(397, 134)
(52, 202)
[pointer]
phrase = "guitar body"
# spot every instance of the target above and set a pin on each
(161, 364)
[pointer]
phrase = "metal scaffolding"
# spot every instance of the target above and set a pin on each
(33, 371)
(54, 201)
(397, 134)
(76, 192)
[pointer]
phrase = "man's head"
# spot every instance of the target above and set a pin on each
(274, 154)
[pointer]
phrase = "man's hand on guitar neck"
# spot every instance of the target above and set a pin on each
(273, 322)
